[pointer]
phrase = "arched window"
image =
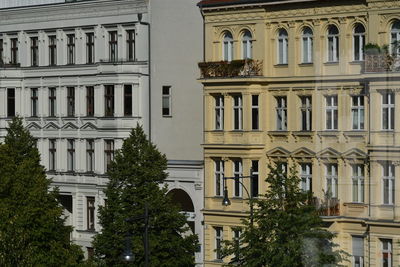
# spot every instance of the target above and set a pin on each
(228, 46)
(307, 45)
(333, 44)
(395, 40)
(282, 47)
(247, 45)
(358, 42)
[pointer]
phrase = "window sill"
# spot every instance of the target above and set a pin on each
(329, 133)
(279, 132)
(303, 133)
(356, 62)
(281, 65)
(331, 63)
(310, 64)
(167, 116)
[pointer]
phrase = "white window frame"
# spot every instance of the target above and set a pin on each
(356, 111)
(358, 183)
(282, 44)
(218, 177)
(360, 36)
(255, 112)
(71, 155)
(219, 112)
(281, 113)
(306, 176)
(307, 46)
(389, 169)
(227, 47)
(389, 107)
(359, 256)
(166, 101)
(237, 112)
(306, 112)
(388, 250)
(90, 155)
(331, 174)
(247, 45)
(395, 37)
(332, 109)
(333, 45)
(237, 172)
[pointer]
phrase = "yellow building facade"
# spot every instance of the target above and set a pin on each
(291, 81)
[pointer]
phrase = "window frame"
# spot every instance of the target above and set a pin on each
(255, 113)
(388, 175)
(227, 46)
(333, 48)
(331, 177)
(34, 41)
(90, 101)
(254, 181)
(282, 47)
(71, 49)
(219, 112)
(306, 113)
(34, 102)
(247, 45)
(219, 170)
(281, 113)
(219, 234)
(237, 173)
(130, 45)
(128, 100)
(166, 103)
(90, 49)
(306, 176)
(332, 108)
(395, 37)
(358, 111)
(11, 107)
(388, 250)
(237, 112)
(307, 45)
(358, 38)
(90, 155)
(71, 155)
(90, 213)
(113, 46)
(52, 102)
(14, 51)
(358, 183)
(52, 50)
(109, 100)
(70, 101)
(52, 155)
(390, 113)
(109, 150)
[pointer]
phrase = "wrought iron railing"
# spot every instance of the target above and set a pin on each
(234, 68)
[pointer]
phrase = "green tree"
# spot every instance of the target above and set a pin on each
(287, 230)
(32, 231)
(135, 176)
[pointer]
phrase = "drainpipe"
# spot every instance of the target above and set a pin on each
(369, 171)
(149, 64)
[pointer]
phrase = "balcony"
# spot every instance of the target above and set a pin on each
(381, 62)
(327, 206)
(229, 69)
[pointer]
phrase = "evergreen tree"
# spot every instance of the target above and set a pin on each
(32, 231)
(135, 176)
(287, 230)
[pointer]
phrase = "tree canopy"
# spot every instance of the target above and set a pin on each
(136, 175)
(32, 230)
(287, 230)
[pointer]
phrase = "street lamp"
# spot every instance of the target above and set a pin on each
(226, 201)
(127, 254)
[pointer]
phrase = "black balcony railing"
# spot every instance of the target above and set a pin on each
(234, 68)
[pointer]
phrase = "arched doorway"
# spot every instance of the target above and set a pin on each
(185, 203)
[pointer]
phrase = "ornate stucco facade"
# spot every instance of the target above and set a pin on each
(311, 97)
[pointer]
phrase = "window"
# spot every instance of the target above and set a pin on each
(130, 44)
(388, 111)
(331, 112)
(109, 153)
(357, 112)
(237, 112)
(388, 183)
(227, 48)
(219, 112)
(71, 155)
(218, 242)
(281, 113)
(306, 113)
(113, 46)
(52, 102)
(395, 38)
(218, 177)
(387, 257)
(52, 50)
(109, 100)
(247, 45)
(333, 44)
(306, 177)
(358, 183)
(236, 238)
(70, 49)
(1, 51)
(14, 50)
(254, 179)
(332, 180)
(90, 48)
(128, 100)
(34, 51)
(70, 101)
(358, 251)
(237, 172)
(282, 47)
(307, 45)
(52, 154)
(254, 113)
(359, 42)
(166, 100)
(90, 155)
(90, 213)
(10, 102)
(34, 102)
(90, 101)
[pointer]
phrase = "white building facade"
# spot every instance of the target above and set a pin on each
(78, 73)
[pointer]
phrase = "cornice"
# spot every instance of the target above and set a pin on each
(70, 11)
